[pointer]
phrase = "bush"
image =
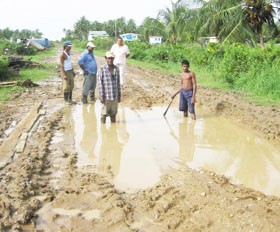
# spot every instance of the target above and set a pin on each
(251, 69)
(4, 62)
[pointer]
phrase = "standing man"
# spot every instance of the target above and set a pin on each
(187, 91)
(67, 71)
(88, 64)
(109, 88)
(121, 53)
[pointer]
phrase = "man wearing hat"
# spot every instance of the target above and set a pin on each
(67, 71)
(88, 64)
(109, 88)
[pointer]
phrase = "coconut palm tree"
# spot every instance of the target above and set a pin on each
(81, 28)
(151, 27)
(171, 23)
(234, 20)
(257, 13)
(174, 21)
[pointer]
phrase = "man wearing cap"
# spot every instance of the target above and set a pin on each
(88, 64)
(67, 71)
(109, 88)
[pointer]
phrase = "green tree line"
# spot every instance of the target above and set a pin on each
(13, 35)
(244, 21)
(187, 21)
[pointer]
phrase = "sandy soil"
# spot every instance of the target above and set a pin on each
(183, 200)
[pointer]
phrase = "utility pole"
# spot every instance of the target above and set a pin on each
(115, 29)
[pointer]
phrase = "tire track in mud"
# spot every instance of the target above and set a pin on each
(44, 190)
(23, 180)
(73, 189)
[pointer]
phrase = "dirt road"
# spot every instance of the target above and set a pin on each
(41, 188)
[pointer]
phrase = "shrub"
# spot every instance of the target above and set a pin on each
(3, 67)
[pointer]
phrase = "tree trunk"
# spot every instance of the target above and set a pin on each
(261, 40)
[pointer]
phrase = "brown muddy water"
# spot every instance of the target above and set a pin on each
(143, 145)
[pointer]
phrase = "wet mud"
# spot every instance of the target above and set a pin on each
(51, 186)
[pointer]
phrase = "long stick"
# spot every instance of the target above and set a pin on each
(168, 107)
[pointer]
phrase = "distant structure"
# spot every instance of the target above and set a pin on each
(155, 39)
(211, 39)
(97, 34)
(42, 41)
(130, 37)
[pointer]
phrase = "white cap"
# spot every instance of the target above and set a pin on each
(109, 54)
(90, 44)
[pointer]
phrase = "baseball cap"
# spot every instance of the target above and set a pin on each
(67, 44)
(109, 54)
(90, 44)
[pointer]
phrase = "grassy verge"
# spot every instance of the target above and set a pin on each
(209, 78)
(43, 71)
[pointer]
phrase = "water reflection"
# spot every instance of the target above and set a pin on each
(111, 149)
(186, 139)
(143, 145)
(86, 133)
(90, 135)
(227, 149)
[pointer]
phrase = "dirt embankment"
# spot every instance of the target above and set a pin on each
(45, 176)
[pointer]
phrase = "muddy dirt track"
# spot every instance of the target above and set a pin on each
(42, 189)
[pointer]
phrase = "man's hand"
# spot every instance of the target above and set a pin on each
(193, 100)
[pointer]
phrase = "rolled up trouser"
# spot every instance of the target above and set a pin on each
(68, 84)
(89, 83)
(110, 108)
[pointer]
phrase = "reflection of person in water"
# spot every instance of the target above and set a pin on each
(122, 131)
(90, 136)
(111, 149)
(185, 140)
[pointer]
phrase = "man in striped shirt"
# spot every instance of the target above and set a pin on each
(109, 87)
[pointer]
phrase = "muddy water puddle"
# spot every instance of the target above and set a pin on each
(143, 145)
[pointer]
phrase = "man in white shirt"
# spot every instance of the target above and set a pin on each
(121, 52)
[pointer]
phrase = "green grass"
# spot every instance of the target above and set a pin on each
(35, 74)
(6, 92)
(44, 71)
(42, 55)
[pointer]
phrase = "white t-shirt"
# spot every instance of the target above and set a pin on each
(120, 53)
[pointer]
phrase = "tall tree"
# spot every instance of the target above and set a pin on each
(81, 28)
(236, 20)
(257, 13)
(152, 27)
(131, 26)
(174, 19)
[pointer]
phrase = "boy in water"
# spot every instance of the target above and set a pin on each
(187, 91)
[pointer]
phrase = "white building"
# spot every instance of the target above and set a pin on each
(211, 39)
(155, 39)
(95, 34)
(130, 37)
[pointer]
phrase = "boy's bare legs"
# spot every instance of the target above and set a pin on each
(185, 113)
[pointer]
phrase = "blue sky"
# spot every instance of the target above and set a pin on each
(50, 17)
